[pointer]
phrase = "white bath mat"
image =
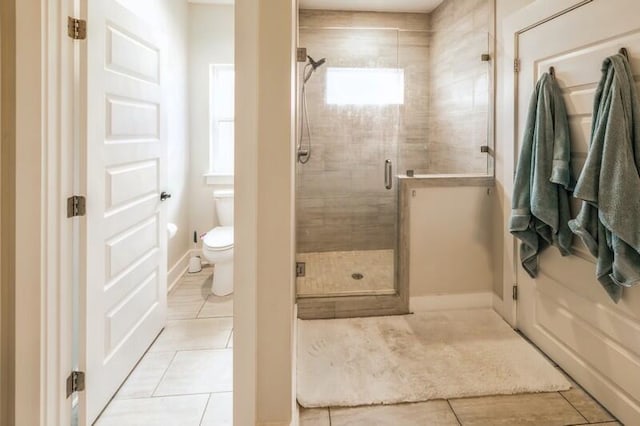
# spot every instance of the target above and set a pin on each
(435, 355)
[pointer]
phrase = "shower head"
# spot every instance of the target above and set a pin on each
(316, 64)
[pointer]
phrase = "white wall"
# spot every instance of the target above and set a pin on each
(172, 17)
(451, 241)
(264, 245)
(211, 35)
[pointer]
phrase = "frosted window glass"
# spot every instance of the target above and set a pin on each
(365, 86)
(221, 101)
(223, 151)
(223, 92)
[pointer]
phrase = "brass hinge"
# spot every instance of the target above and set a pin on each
(77, 28)
(75, 382)
(516, 65)
(485, 57)
(76, 206)
(514, 293)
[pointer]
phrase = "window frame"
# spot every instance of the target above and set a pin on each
(214, 176)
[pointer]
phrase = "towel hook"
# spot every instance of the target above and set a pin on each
(552, 72)
(625, 52)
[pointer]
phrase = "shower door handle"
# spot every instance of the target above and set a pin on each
(388, 174)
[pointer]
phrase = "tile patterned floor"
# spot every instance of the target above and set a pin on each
(186, 376)
(330, 273)
(573, 407)
(186, 379)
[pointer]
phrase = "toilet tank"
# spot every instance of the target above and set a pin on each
(224, 206)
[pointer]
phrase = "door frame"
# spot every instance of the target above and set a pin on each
(44, 156)
(532, 16)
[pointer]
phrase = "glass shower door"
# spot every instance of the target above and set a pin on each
(346, 193)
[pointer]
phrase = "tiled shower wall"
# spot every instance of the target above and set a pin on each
(342, 203)
(341, 200)
(459, 87)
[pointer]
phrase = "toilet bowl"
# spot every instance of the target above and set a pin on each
(217, 245)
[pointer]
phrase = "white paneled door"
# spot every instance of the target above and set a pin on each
(125, 265)
(564, 310)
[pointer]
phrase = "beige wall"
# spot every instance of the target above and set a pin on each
(172, 16)
(28, 253)
(459, 87)
(504, 8)
(451, 241)
(7, 215)
(264, 249)
(211, 34)
(342, 203)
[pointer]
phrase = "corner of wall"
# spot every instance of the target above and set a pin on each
(7, 212)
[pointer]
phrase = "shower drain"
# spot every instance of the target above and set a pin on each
(357, 276)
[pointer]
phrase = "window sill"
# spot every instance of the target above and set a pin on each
(218, 179)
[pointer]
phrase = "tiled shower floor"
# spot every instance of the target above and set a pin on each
(331, 273)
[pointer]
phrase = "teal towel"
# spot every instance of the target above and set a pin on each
(542, 185)
(609, 184)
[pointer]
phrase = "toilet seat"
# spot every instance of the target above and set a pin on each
(219, 238)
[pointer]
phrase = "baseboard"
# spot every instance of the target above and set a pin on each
(451, 301)
(177, 271)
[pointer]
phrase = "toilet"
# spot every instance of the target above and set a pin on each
(217, 245)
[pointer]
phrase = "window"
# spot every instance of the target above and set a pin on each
(365, 86)
(221, 133)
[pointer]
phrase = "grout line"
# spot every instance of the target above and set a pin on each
(454, 412)
(164, 374)
(202, 307)
(573, 406)
(205, 410)
(189, 394)
(329, 410)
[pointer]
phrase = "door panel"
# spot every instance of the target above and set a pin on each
(125, 288)
(565, 311)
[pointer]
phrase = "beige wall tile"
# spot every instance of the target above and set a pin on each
(439, 128)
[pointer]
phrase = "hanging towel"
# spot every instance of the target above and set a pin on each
(609, 185)
(541, 211)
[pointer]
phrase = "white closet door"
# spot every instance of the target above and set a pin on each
(126, 247)
(565, 310)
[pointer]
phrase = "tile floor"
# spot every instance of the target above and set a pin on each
(572, 407)
(186, 376)
(330, 273)
(186, 379)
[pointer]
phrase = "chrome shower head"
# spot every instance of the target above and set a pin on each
(316, 64)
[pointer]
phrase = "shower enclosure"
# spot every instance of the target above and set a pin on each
(394, 97)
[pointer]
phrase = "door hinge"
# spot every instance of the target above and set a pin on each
(75, 382)
(76, 206)
(77, 28)
(301, 54)
(516, 65)
(301, 269)
(514, 292)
